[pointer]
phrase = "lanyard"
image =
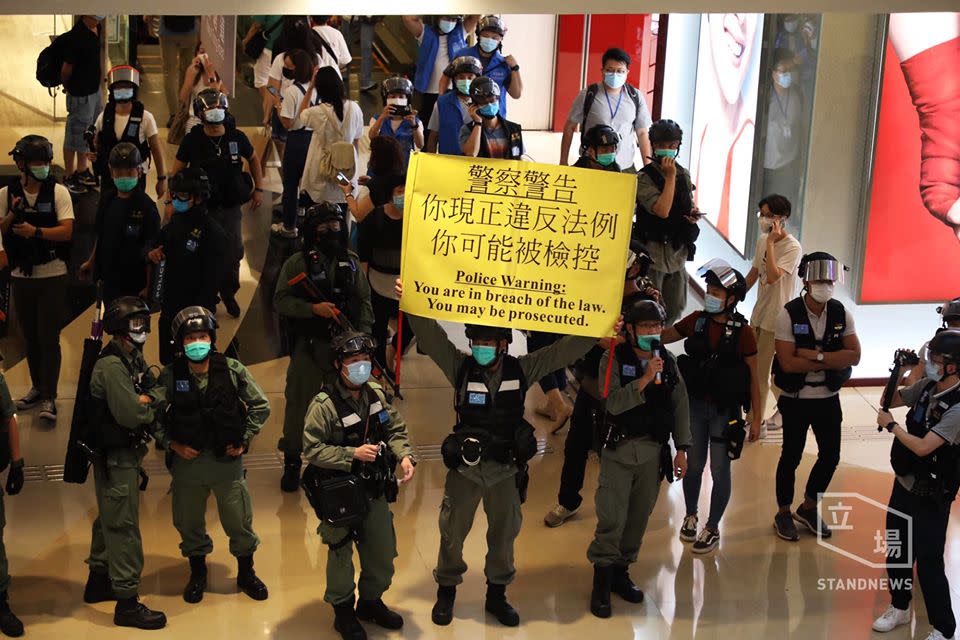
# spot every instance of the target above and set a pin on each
(613, 112)
(780, 104)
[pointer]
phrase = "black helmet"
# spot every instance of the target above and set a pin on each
(491, 23)
(125, 155)
(600, 135)
(351, 343)
(484, 87)
(32, 148)
(116, 320)
(191, 180)
(719, 273)
(396, 84)
(638, 255)
(317, 214)
(665, 131)
(820, 265)
(950, 310)
(209, 99)
(644, 311)
(483, 332)
(947, 344)
(195, 318)
(465, 64)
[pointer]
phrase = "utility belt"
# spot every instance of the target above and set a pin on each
(468, 446)
(37, 257)
(676, 239)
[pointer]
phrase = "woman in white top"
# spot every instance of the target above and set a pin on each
(201, 74)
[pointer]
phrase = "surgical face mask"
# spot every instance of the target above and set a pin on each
(785, 79)
(359, 372)
(933, 370)
(398, 202)
(790, 26)
(489, 110)
(123, 94)
(463, 86)
(665, 153)
(288, 74)
(613, 79)
(215, 116)
(821, 291)
(181, 206)
(483, 354)
(137, 337)
(712, 304)
(606, 159)
(126, 184)
(766, 225)
(488, 45)
(446, 26)
(197, 351)
(40, 173)
(645, 342)
(397, 102)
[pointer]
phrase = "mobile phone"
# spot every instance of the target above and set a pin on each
(401, 111)
(342, 179)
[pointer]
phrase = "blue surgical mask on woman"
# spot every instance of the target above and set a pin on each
(123, 94)
(359, 372)
(646, 342)
(606, 159)
(613, 79)
(463, 86)
(446, 26)
(712, 304)
(181, 206)
(398, 202)
(488, 45)
(666, 153)
(126, 184)
(489, 110)
(785, 79)
(933, 370)
(483, 354)
(197, 351)
(215, 116)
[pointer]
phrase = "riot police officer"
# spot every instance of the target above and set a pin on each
(121, 415)
(925, 458)
(215, 408)
(319, 289)
(488, 451)
(600, 144)
(11, 457)
(353, 432)
(189, 252)
(949, 313)
(646, 407)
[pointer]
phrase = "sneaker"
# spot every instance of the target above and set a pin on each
(28, 401)
(891, 619)
(936, 635)
(811, 520)
(86, 178)
(73, 185)
(279, 229)
(48, 410)
(688, 532)
(558, 515)
(231, 305)
(774, 422)
(783, 524)
(706, 542)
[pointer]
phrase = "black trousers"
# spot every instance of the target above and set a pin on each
(577, 449)
(929, 519)
(383, 310)
(824, 415)
(425, 102)
(555, 379)
(40, 305)
(230, 218)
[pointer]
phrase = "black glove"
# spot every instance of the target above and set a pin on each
(15, 477)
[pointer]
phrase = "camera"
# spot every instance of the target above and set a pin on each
(401, 111)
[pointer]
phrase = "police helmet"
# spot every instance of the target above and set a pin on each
(665, 131)
(191, 180)
(32, 148)
(947, 344)
(209, 99)
(644, 311)
(120, 312)
(483, 332)
(719, 273)
(601, 135)
(195, 318)
(950, 310)
(637, 255)
(465, 64)
(491, 23)
(820, 265)
(351, 343)
(484, 87)
(123, 73)
(316, 214)
(396, 84)
(125, 155)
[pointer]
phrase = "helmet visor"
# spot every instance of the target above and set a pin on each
(828, 270)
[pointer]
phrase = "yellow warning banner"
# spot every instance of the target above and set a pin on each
(515, 244)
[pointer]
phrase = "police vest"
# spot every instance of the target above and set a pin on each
(804, 339)
(655, 417)
(718, 374)
(514, 140)
(104, 432)
(26, 253)
(336, 288)
(450, 122)
(354, 432)
(429, 48)
(937, 475)
(107, 136)
(210, 419)
(673, 229)
(498, 413)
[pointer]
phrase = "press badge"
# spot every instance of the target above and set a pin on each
(191, 245)
(629, 370)
(234, 148)
(44, 207)
(183, 386)
(477, 398)
(516, 151)
(801, 329)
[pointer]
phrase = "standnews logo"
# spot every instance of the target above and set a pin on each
(851, 516)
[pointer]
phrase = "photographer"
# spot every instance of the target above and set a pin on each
(924, 457)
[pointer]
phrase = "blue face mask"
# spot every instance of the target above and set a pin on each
(463, 86)
(666, 153)
(359, 372)
(785, 79)
(398, 202)
(40, 173)
(488, 45)
(126, 184)
(484, 355)
(123, 94)
(614, 80)
(712, 304)
(489, 110)
(181, 206)
(933, 371)
(606, 159)
(646, 342)
(446, 26)
(197, 351)
(215, 116)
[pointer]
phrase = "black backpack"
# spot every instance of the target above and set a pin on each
(50, 62)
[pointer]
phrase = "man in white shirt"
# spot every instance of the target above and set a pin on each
(333, 49)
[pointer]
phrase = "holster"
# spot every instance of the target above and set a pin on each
(523, 481)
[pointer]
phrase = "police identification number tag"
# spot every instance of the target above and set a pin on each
(801, 329)
(191, 245)
(183, 386)
(477, 398)
(629, 370)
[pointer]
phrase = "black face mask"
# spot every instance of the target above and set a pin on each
(288, 74)
(329, 243)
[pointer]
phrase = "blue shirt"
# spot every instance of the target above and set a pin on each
(403, 134)
(495, 68)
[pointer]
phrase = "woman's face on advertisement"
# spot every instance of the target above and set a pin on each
(731, 42)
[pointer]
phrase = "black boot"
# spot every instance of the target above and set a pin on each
(248, 581)
(193, 593)
(623, 586)
(98, 588)
(497, 605)
(345, 621)
(600, 598)
(290, 480)
(442, 613)
(130, 612)
(10, 624)
(378, 613)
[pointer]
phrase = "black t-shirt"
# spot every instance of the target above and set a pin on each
(221, 157)
(127, 229)
(82, 50)
(194, 245)
(379, 241)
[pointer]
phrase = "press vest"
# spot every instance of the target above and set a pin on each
(804, 338)
(26, 253)
(450, 123)
(107, 136)
(720, 374)
(937, 474)
(429, 48)
(514, 140)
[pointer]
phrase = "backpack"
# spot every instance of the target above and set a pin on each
(335, 154)
(179, 24)
(50, 62)
(591, 95)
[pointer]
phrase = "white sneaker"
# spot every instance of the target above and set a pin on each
(936, 635)
(893, 618)
(558, 515)
(278, 228)
(774, 422)
(688, 530)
